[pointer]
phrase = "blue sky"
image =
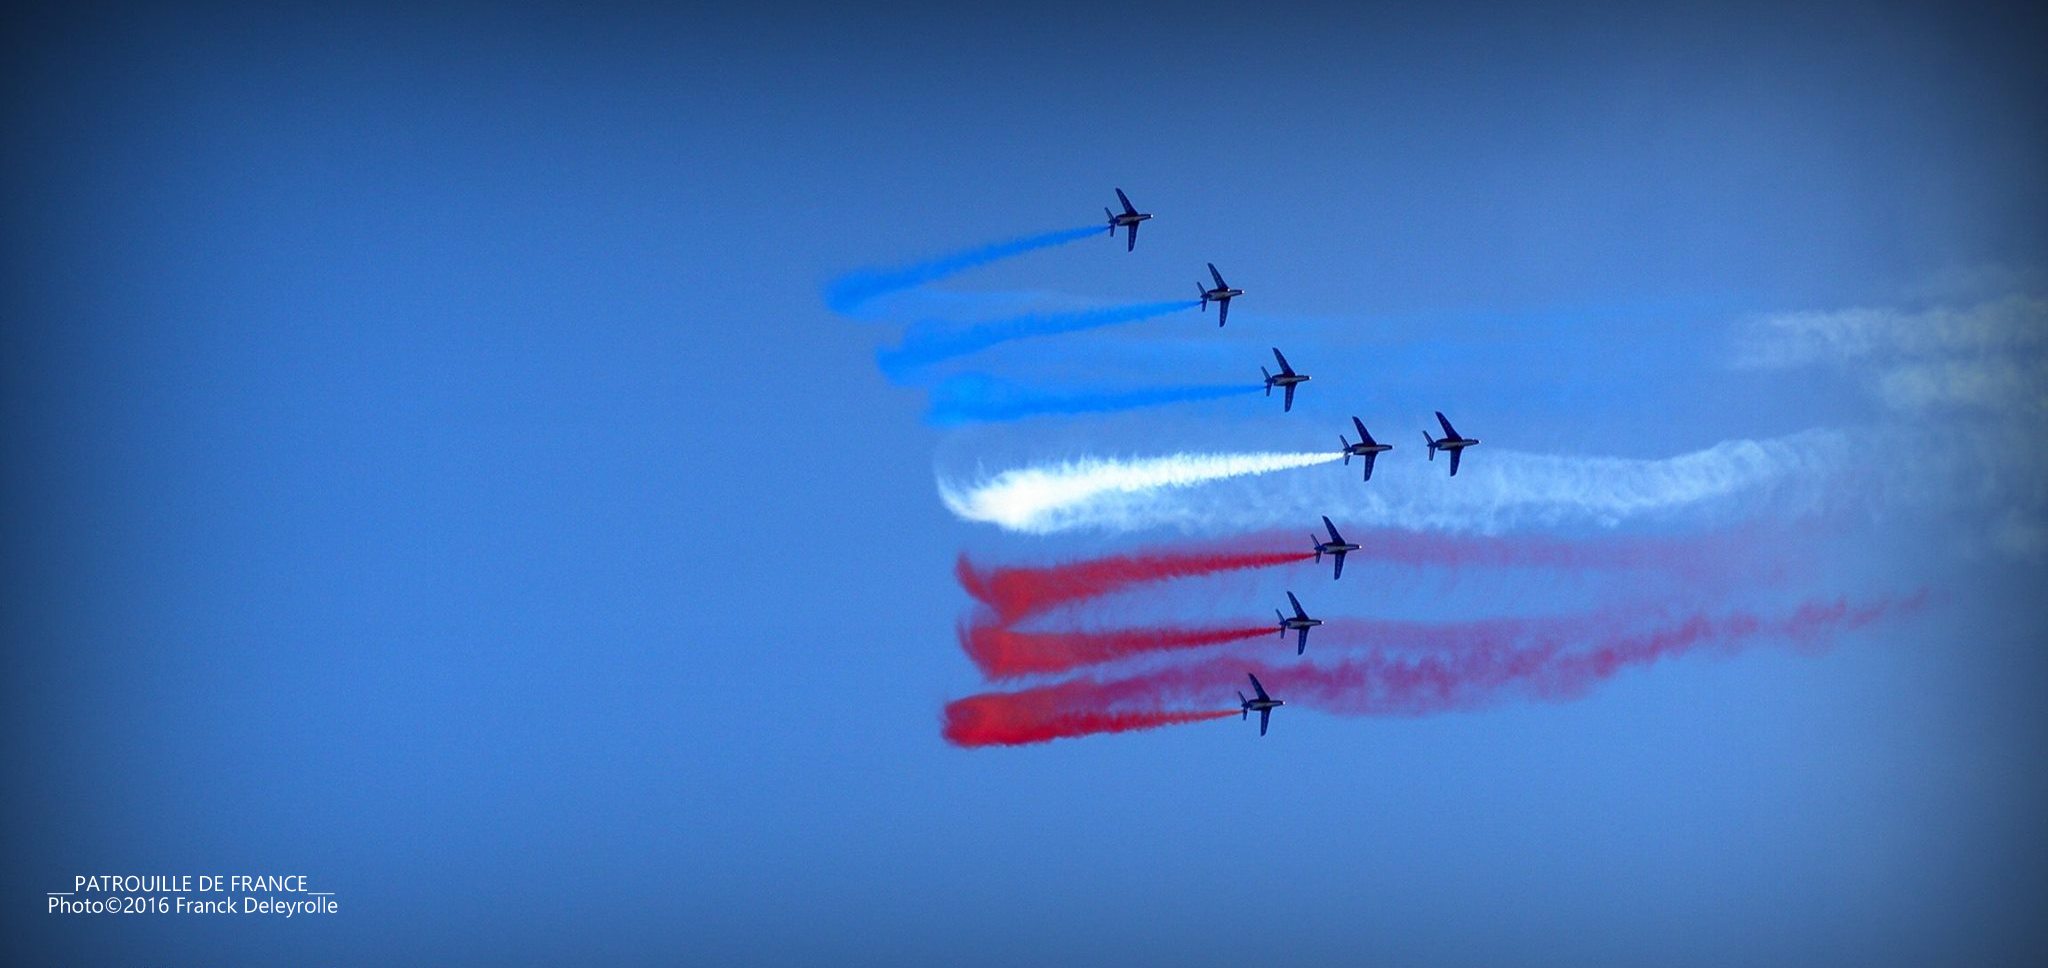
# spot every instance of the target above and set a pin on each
(431, 467)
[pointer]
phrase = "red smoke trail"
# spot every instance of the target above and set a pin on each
(1385, 684)
(1380, 683)
(1015, 593)
(1486, 634)
(1003, 653)
(1693, 555)
(1051, 712)
(1806, 627)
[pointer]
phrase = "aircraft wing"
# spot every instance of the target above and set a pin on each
(1222, 311)
(1287, 406)
(1335, 538)
(1368, 465)
(1265, 716)
(1301, 641)
(1121, 197)
(1131, 243)
(1285, 370)
(1454, 460)
(1257, 689)
(1448, 430)
(1296, 602)
(1363, 437)
(1340, 566)
(1213, 274)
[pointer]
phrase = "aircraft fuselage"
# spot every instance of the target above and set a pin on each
(1332, 548)
(1130, 219)
(1300, 623)
(1367, 450)
(1219, 295)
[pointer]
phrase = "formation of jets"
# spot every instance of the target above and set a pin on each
(1366, 449)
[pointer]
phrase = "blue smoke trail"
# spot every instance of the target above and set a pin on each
(846, 293)
(929, 342)
(979, 398)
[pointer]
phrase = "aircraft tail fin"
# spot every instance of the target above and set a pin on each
(1269, 380)
(1244, 707)
(1346, 444)
(1431, 443)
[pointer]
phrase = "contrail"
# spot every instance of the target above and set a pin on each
(1013, 594)
(1497, 633)
(847, 293)
(1496, 491)
(1002, 652)
(978, 398)
(932, 341)
(1381, 683)
(1049, 713)
(1749, 551)
(1049, 498)
(1005, 653)
(1384, 683)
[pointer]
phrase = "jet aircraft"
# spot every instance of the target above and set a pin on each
(1336, 547)
(1264, 704)
(1286, 379)
(1221, 295)
(1300, 623)
(1366, 447)
(1129, 218)
(1450, 442)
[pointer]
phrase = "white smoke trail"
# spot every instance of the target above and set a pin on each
(1063, 496)
(1493, 491)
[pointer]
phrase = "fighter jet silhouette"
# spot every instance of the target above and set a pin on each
(1299, 622)
(1264, 704)
(1366, 447)
(1286, 379)
(1221, 295)
(1129, 218)
(1336, 547)
(1450, 441)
